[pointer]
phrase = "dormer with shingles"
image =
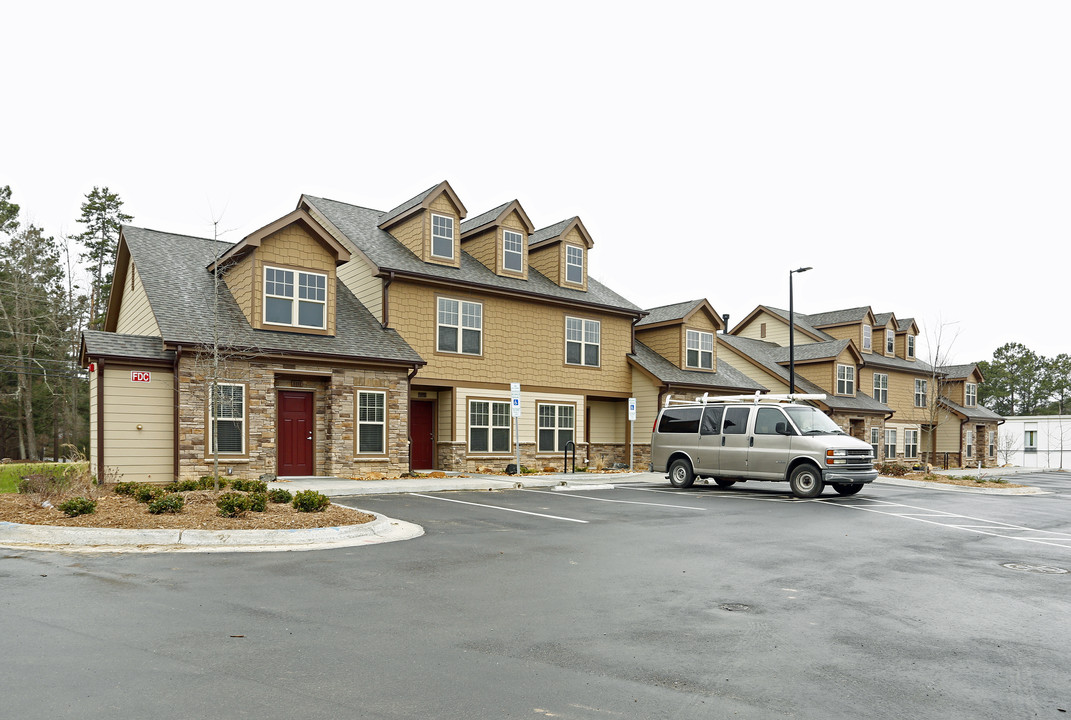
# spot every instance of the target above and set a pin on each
(498, 238)
(855, 324)
(560, 252)
(907, 332)
(885, 334)
(684, 334)
(429, 225)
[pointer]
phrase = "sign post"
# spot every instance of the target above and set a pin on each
(631, 427)
(515, 413)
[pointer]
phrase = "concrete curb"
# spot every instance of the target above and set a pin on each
(76, 539)
(903, 482)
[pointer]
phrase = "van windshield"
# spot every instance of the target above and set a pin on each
(812, 421)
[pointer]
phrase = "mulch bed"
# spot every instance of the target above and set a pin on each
(198, 513)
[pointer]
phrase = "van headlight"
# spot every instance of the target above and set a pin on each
(836, 457)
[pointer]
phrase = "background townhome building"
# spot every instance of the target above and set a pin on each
(903, 406)
(339, 340)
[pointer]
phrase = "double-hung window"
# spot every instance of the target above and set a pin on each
(875, 441)
(556, 424)
(920, 393)
(845, 380)
(460, 327)
(890, 342)
(371, 422)
(442, 237)
(228, 419)
(911, 443)
(489, 427)
(574, 264)
(308, 309)
(512, 251)
(970, 391)
(970, 443)
(700, 350)
(868, 337)
(890, 444)
(910, 346)
(881, 387)
(992, 443)
(582, 338)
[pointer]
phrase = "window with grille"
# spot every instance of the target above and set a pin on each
(460, 327)
(556, 425)
(228, 419)
(371, 422)
(489, 427)
(700, 350)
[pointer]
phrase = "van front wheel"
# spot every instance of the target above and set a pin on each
(680, 473)
(805, 482)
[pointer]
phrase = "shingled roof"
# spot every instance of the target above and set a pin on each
(100, 344)
(971, 413)
(360, 227)
(801, 321)
(668, 313)
(181, 292)
(726, 377)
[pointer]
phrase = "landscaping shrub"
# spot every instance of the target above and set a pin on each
(891, 469)
(148, 493)
(232, 504)
(181, 486)
(258, 501)
(41, 484)
(167, 504)
(207, 482)
(311, 501)
(280, 495)
(78, 506)
(250, 485)
(126, 488)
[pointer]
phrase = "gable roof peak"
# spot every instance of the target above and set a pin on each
(547, 235)
(495, 216)
(420, 202)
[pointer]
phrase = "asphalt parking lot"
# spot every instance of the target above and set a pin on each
(638, 602)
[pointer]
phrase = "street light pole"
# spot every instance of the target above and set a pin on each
(792, 332)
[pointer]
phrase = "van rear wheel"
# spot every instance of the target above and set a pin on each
(805, 482)
(680, 473)
(846, 489)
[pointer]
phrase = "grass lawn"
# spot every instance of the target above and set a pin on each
(11, 472)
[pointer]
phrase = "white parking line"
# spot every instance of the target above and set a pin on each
(624, 502)
(499, 507)
(726, 493)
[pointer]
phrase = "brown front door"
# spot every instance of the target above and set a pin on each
(295, 433)
(422, 435)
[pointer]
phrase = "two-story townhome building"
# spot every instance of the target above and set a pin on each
(341, 339)
(888, 372)
(967, 434)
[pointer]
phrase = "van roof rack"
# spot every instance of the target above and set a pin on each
(758, 397)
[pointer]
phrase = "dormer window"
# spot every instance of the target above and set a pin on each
(845, 380)
(971, 394)
(574, 264)
(512, 251)
(890, 342)
(700, 350)
(308, 309)
(442, 237)
(867, 337)
(911, 347)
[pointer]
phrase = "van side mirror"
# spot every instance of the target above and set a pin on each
(781, 428)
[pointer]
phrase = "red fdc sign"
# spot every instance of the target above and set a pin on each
(140, 376)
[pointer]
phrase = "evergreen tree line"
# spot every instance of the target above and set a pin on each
(1018, 381)
(44, 306)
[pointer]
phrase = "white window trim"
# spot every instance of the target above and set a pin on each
(295, 299)
(890, 441)
(908, 443)
(214, 417)
(875, 441)
(381, 423)
(583, 342)
(848, 380)
(970, 443)
(568, 264)
(700, 352)
(883, 390)
(491, 427)
(520, 253)
(910, 347)
(452, 237)
(970, 394)
(920, 389)
(460, 327)
(556, 428)
(868, 337)
(890, 343)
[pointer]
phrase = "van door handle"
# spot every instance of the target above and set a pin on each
(751, 441)
(723, 441)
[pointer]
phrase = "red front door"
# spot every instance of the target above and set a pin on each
(295, 433)
(421, 435)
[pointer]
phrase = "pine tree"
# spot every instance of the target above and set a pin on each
(102, 216)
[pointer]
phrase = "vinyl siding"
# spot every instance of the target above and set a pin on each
(609, 421)
(359, 276)
(135, 313)
(145, 455)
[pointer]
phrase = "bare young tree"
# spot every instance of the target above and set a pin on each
(1007, 446)
(939, 341)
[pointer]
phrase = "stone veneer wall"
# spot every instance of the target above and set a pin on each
(333, 410)
(453, 456)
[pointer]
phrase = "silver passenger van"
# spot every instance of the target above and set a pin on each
(761, 437)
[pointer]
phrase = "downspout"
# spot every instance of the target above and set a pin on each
(408, 420)
(175, 417)
(633, 351)
(100, 421)
(386, 301)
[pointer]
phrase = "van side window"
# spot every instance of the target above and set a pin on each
(711, 424)
(680, 420)
(768, 419)
(735, 421)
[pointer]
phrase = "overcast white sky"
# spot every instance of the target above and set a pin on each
(916, 154)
